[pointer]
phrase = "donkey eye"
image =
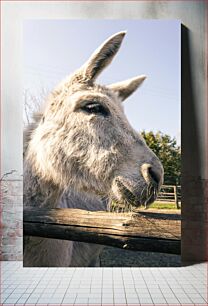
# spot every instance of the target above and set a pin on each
(95, 108)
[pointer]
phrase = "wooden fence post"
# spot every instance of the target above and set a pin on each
(176, 196)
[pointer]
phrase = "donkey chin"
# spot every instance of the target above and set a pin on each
(134, 193)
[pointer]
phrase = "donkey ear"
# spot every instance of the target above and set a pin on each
(102, 56)
(126, 88)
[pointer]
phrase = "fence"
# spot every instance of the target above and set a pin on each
(144, 231)
(170, 193)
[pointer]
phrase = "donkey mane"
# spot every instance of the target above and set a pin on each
(27, 134)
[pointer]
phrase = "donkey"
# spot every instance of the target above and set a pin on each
(81, 152)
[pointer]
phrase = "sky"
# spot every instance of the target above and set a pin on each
(54, 49)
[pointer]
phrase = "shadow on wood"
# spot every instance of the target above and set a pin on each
(139, 232)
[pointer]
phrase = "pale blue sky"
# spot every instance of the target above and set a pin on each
(55, 48)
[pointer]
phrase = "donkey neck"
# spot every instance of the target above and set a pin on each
(38, 192)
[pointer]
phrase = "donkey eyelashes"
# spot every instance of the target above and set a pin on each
(95, 108)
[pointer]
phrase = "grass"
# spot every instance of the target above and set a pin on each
(163, 205)
(155, 205)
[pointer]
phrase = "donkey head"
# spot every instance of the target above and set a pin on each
(85, 141)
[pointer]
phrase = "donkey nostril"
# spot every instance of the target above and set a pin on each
(150, 174)
(154, 175)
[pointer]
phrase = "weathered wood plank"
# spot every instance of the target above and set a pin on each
(142, 231)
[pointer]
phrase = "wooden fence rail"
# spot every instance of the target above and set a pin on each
(143, 231)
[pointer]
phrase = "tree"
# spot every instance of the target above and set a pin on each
(168, 152)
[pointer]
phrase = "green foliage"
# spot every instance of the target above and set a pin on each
(168, 152)
(163, 205)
